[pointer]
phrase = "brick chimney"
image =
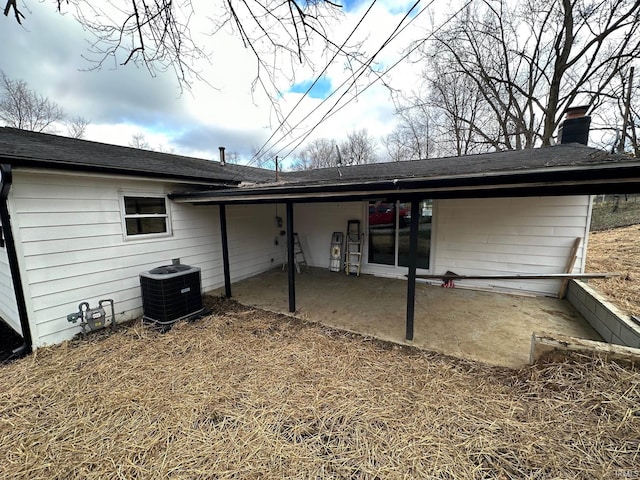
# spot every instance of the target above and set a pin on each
(575, 128)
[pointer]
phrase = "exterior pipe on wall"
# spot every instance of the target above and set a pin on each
(12, 256)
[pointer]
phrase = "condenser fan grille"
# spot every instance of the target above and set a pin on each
(170, 293)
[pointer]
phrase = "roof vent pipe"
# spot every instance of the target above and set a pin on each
(575, 128)
(222, 161)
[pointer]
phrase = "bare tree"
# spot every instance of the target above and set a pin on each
(77, 127)
(359, 148)
(138, 140)
(232, 157)
(157, 33)
(21, 107)
(397, 146)
(413, 137)
(319, 153)
(530, 60)
(300, 163)
(164, 149)
(461, 120)
(263, 161)
(628, 107)
(634, 128)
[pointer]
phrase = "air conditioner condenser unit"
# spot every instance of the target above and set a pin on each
(171, 293)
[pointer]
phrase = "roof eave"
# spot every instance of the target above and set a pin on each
(555, 181)
(19, 162)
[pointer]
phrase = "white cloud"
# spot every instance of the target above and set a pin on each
(47, 53)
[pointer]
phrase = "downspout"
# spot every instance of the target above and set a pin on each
(5, 185)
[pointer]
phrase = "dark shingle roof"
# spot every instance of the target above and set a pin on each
(25, 148)
(558, 165)
(513, 161)
(559, 170)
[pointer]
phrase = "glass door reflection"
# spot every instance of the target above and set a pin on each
(389, 226)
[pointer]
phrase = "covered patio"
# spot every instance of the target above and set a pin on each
(508, 217)
(489, 327)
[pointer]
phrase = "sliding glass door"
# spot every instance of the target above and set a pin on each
(389, 224)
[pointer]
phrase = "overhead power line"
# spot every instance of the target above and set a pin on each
(331, 111)
(317, 79)
(365, 65)
(326, 115)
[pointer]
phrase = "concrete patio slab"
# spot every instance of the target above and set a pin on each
(493, 328)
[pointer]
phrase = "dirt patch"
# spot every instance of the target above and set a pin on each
(617, 250)
(249, 394)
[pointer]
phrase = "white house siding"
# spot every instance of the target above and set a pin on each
(315, 222)
(473, 236)
(510, 236)
(8, 307)
(69, 234)
(252, 233)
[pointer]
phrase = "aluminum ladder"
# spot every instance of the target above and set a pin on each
(353, 253)
(298, 254)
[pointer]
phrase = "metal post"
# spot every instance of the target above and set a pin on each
(225, 251)
(291, 267)
(413, 257)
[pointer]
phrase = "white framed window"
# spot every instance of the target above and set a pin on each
(145, 216)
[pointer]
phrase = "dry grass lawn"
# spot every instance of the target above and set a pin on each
(617, 250)
(249, 394)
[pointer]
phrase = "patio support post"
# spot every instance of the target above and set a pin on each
(291, 267)
(413, 256)
(225, 251)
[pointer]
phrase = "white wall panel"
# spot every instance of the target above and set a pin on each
(510, 236)
(315, 223)
(70, 237)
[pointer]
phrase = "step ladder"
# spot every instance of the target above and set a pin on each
(335, 252)
(353, 252)
(298, 254)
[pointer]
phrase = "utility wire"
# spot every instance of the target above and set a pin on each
(363, 65)
(353, 78)
(340, 49)
(330, 113)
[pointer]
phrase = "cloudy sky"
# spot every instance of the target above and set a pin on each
(50, 51)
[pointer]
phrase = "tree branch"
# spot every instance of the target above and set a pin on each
(11, 4)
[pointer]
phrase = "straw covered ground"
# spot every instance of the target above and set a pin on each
(249, 394)
(617, 250)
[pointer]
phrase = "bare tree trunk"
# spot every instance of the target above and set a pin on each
(562, 49)
(625, 116)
